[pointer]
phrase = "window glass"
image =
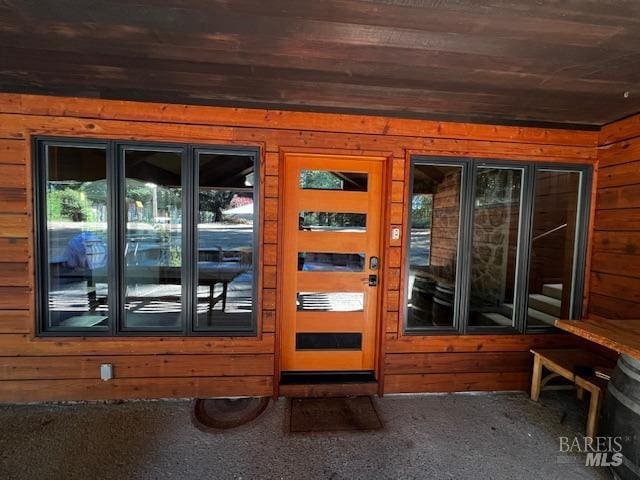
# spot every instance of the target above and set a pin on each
(496, 226)
(327, 180)
(332, 222)
(330, 301)
(76, 228)
(433, 245)
(553, 243)
(226, 256)
(330, 262)
(153, 267)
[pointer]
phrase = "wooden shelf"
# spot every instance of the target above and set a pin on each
(622, 336)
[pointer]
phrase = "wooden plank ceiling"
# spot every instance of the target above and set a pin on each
(548, 62)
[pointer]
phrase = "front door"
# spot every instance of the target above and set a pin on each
(331, 262)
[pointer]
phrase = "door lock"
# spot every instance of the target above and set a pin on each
(373, 280)
(373, 263)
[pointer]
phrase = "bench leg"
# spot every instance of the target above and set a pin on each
(536, 378)
(594, 412)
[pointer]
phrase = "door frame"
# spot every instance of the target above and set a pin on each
(386, 157)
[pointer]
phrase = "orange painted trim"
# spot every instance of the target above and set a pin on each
(286, 120)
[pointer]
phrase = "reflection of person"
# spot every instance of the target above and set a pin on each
(85, 251)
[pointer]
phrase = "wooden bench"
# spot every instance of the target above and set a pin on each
(563, 363)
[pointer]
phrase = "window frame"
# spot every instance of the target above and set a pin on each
(462, 221)
(470, 167)
(116, 236)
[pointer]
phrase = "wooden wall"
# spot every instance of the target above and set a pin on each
(37, 369)
(615, 265)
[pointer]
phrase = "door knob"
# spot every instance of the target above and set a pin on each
(373, 280)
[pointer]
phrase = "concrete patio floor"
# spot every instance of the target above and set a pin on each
(454, 436)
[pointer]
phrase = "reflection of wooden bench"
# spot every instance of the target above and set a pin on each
(563, 363)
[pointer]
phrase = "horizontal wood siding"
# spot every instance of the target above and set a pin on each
(615, 263)
(39, 369)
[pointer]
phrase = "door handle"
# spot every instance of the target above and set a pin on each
(373, 263)
(373, 280)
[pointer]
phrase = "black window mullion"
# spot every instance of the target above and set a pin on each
(120, 233)
(580, 251)
(467, 244)
(113, 222)
(188, 256)
(521, 299)
(40, 204)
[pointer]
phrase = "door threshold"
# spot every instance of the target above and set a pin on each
(307, 378)
(328, 384)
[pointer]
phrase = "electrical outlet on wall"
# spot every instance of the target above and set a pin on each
(106, 371)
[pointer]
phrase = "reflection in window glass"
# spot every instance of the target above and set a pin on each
(556, 201)
(433, 247)
(153, 248)
(327, 180)
(330, 262)
(332, 222)
(225, 274)
(330, 301)
(496, 224)
(76, 198)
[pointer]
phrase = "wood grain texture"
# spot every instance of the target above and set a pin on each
(402, 364)
(20, 345)
(623, 336)
(19, 391)
(463, 61)
(162, 366)
(474, 343)
(619, 131)
(136, 366)
(614, 282)
(457, 382)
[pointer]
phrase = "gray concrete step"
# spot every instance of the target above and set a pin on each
(535, 317)
(497, 319)
(553, 290)
(543, 303)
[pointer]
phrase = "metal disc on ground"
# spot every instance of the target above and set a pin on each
(225, 413)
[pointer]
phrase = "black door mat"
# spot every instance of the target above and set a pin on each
(333, 415)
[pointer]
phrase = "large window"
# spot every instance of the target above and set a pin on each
(494, 246)
(144, 238)
(434, 229)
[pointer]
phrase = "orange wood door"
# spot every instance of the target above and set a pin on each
(332, 220)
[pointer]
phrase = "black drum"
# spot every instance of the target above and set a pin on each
(443, 304)
(620, 416)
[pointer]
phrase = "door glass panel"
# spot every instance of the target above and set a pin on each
(226, 222)
(153, 244)
(553, 243)
(328, 180)
(330, 301)
(328, 341)
(433, 246)
(332, 222)
(496, 225)
(330, 262)
(76, 270)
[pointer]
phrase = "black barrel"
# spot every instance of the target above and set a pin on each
(443, 304)
(620, 415)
